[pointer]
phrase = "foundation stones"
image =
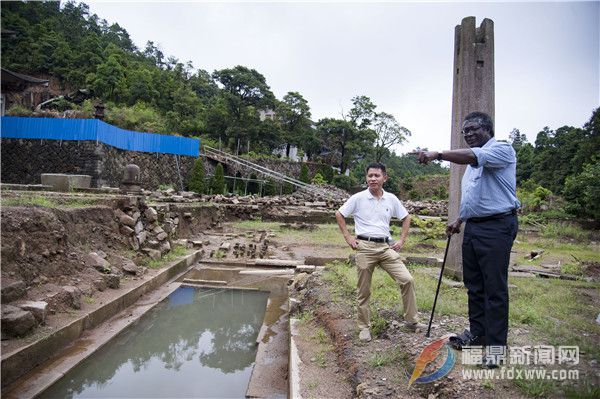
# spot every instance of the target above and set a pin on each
(151, 215)
(38, 309)
(74, 296)
(16, 322)
(13, 291)
(130, 267)
(97, 262)
(141, 237)
(112, 280)
(126, 220)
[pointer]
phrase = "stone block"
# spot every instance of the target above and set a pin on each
(165, 247)
(139, 227)
(37, 308)
(65, 182)
(97, 262)
(112, 280)
(13, 291)
(142, 237)
(73, 295)
(151, 214)
(152, 253)
(126, 220)
(161, 236)
(58, 182)
(16, 322)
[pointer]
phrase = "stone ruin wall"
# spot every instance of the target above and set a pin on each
(23, 161)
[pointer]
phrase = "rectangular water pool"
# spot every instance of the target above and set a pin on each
(196, 343)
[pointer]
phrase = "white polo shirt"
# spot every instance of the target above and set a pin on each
(371, 215)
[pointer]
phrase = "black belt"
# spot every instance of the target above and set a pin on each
(492, 217)
(374, 239)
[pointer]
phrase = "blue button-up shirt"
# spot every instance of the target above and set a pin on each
(490, 187)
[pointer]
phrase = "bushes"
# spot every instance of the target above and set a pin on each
(583, 191)
(304, 174)
(196, 182)
(141, 117)
(318, 179)
(344, 182)
(217, 185)
(19, 110)
(270, 188)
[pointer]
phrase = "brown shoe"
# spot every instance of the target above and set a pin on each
(364, 335)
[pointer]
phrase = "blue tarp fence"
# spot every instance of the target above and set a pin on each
(14, 127)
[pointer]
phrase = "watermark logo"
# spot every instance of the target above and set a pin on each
(429, 354)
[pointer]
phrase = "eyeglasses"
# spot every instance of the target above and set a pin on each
(469, 130)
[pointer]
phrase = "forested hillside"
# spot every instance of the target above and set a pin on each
(147, 90)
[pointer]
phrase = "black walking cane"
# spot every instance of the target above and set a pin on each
(437, 291)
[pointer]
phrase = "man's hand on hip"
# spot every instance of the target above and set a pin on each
(397, 245)
(351, 241)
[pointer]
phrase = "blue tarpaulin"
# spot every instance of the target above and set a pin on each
(14, 127)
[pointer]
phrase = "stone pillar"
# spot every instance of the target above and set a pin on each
(473, 90)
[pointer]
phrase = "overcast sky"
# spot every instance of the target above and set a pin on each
(400, 54)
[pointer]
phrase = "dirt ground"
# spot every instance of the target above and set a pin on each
(47, 248)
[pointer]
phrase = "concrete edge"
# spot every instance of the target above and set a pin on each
(261, 359)
(22, 361)
(294, 362)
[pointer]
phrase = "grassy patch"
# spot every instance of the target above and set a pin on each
(49, 202)
(321, 356)
(561, 230)
(557, 312)
(321, 336)
(305, 316)
(393, 356)
(176, 252)
(487, 384)
(341, 279)
(88, 299)
(536, 388)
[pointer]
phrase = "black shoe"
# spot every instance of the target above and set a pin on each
(490, 362)
(466, 339)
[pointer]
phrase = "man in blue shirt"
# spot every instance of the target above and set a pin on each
(489, 207)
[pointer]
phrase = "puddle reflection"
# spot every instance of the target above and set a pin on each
(196, 343)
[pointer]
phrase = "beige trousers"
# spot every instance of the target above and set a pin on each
(370, 254)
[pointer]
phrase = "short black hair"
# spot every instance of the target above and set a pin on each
(485, 121)
(376, 165)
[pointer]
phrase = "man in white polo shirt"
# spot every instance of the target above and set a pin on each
(372, 209)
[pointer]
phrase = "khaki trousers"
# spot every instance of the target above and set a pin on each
(370, 254)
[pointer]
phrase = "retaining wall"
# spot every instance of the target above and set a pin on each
(23, 161)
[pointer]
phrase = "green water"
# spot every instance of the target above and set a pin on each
(197, 343)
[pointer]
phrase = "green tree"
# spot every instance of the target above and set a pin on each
(583, 191)
(342, 142)
(362, 114)
(196, 182)
(389, 133)
(517, 139)
(217, 185)
(253, 185)
(344, 182)
(525, 162)
(318, 179)
(245, 92)
(304, 173)
(327, 172)
(270, 188)
(294, 115)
